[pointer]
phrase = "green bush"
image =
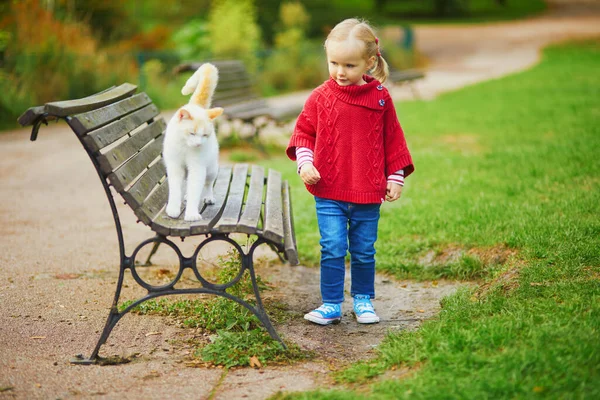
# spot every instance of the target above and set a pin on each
(234, 32)
(295, 63)
(45, 59)
(192, 41)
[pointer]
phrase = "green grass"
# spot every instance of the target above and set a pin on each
(236, 334)
(506, 167)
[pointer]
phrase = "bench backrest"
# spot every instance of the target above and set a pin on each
(123, 134)
(235, 85)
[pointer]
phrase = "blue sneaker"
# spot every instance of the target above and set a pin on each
(328, 313)
(363, 310)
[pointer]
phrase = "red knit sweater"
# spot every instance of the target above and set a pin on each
(356, 138)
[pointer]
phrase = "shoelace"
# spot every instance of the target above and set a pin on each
(326, 309)
(363, 307)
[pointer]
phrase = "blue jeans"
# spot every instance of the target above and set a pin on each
(346, 226)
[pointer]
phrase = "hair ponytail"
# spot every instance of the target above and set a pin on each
(381, 70)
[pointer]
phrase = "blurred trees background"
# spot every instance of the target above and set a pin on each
(58, 49)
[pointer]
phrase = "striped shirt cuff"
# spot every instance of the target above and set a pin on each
(397, 177)
(304, 155)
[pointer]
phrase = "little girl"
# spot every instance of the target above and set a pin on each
(352, 156)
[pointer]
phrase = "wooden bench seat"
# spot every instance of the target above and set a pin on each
(122, 132)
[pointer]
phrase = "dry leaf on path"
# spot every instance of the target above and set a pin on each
(255, 362)
(67, 276)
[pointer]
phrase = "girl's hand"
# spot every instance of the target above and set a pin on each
(309, 174)
(394, 191)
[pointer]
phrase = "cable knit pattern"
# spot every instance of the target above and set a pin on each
(356, 139)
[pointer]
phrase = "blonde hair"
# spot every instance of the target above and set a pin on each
(355, 29)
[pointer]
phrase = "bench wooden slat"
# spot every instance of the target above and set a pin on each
(250, 217)
(153, 204)
(126, 173)
(247, 106)
(250, 115)
(231, 214)
(239, 95)
(166, 225)
(247, 111)
(234, 97)
(405, 75)
(289, 236)
(29, 116)
(91, 120)
(123, 151)
(213, 212)
(273, 226)
(233, 83)
(71, 107)
(139, 191)
(108, 134)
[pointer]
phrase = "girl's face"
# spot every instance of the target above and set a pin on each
(346, 62)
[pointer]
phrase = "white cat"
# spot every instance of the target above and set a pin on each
(190, 148)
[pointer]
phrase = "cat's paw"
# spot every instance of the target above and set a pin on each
(192, 216)
(209, 200)
(173, 211)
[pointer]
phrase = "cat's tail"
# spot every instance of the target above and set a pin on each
(202, 84)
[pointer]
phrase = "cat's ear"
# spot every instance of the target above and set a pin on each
(214, 112)
(182, 113)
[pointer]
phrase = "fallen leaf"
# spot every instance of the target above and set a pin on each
(420, 310)
(67, 276)
(38, 337)
(255, 362)
(153, 374)
(152, 333)
(434, 283)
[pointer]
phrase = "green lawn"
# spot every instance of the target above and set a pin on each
(506, 192)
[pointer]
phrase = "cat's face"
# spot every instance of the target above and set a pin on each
(196, 123)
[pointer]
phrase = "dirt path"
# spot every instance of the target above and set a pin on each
(58, 255)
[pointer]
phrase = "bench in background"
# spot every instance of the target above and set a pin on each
(122, 133)
(236, 93)
(406, 77)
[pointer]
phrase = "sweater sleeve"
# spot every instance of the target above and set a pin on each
(305, 130)
(397, 155)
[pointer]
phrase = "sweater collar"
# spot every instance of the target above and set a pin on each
(370, 95)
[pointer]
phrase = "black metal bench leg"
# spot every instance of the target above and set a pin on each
(260, 309)
(148, 263)
(113, 317)
(414, 91)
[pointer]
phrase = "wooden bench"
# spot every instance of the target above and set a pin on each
(122, 133)
(407, 76)
(236, 93)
